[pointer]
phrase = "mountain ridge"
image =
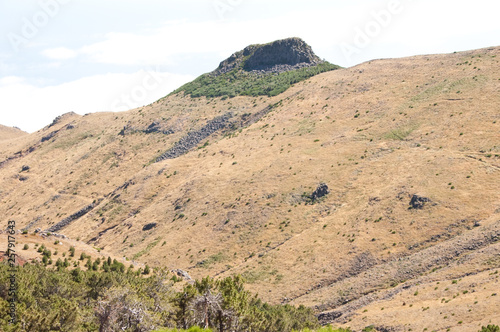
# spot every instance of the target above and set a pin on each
(239, 200)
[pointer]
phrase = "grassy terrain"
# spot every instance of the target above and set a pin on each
(241, 83)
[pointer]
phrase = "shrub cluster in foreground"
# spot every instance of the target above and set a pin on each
(76, 300)
(112, 300)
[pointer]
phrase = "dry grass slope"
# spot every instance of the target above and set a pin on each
(7, 133)
(376, 134)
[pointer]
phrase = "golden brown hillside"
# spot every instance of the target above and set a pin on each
(409, 149)
(7, 133)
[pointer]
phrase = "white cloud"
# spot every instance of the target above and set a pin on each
(222, 37)
(31, 108)
(4, 67)
(59, 53)
(421, 27)
(11, 80)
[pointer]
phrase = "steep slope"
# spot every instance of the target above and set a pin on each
(220, 186)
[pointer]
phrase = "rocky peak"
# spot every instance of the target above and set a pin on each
(278, 56)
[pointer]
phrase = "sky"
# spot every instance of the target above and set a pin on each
(86, 56)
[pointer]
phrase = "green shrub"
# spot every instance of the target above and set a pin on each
(241, 83)
(47, 253)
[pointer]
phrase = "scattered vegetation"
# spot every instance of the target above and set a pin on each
(401, 133)
(219, 257)
(147, 249)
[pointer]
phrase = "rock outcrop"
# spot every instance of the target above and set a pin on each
(276, 57)
(49, 136)
(62, 117)
(154, 128)
(149, 226)
(321, 191)
(418, 202)
(66, 221)
(193, 138)
(182, 274)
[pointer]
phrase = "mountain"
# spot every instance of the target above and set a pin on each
(367, 193)
(258, 70)
(10, 132)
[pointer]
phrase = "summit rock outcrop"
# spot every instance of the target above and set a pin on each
(275, 57)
